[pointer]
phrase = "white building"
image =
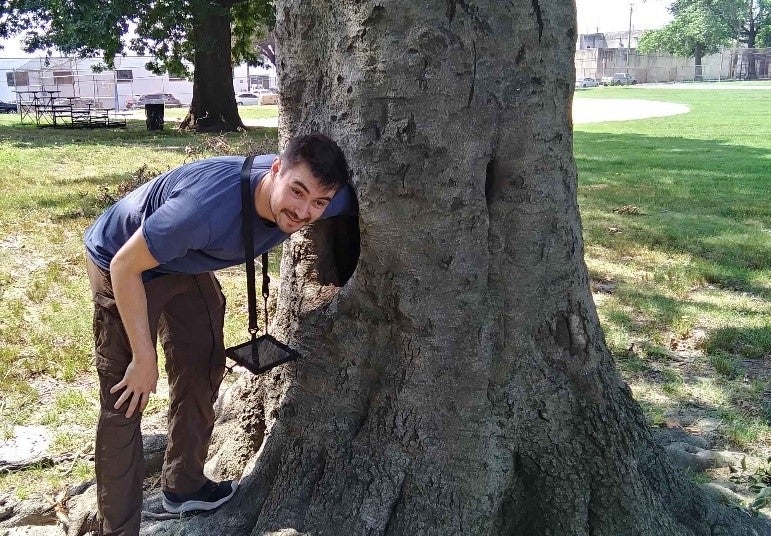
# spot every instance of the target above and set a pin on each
(246, 78)
(108, 89)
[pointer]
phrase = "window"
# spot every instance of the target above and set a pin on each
(259, 80)
(18, 78)
(124, 75)
(63, 77)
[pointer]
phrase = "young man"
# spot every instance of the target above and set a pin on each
(150, 262)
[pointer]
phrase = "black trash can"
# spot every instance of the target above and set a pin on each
(154, 115)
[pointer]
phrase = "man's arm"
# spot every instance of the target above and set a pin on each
(126, 270)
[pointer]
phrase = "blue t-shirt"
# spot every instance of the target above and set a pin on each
(191, 218)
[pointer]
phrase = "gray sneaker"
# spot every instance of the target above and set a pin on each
(212, 495)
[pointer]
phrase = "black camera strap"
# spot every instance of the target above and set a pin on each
(262, 353)
(247, 213)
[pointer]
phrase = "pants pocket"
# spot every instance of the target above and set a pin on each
(112, 350)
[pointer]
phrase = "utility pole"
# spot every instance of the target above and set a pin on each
(629, 37)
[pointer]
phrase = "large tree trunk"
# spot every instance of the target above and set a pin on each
(458, 383)
(698, 56)
(751, 35)
(213, 107)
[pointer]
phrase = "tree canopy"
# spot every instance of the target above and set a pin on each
(702, 26)
(694, 31)
(747, 19)
(173, 32)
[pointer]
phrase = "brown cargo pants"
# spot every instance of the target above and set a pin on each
(187, 311)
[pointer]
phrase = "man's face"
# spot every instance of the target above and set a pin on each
(297, 198)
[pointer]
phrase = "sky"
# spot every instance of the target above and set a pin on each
(11, 49)
(613, 15)
(593, 15)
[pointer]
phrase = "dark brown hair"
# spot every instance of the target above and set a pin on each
(322, 155)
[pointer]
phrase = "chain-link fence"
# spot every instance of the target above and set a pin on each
(63, 78)
(78, 81)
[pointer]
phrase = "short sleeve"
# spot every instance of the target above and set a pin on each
(343, 203)
(176, 227)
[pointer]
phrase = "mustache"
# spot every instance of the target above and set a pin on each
(295, 217)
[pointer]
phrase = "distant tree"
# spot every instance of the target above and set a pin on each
(694, 32)
(209, 34)
(747, 19)
(764, 37)
(267, 47)
(702, 26)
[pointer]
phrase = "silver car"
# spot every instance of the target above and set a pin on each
(587, 82)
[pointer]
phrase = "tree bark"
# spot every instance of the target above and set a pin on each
(698, 55)
(213, 108)
(751, 36)
(458, 383)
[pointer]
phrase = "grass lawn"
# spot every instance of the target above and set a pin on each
(677, 228)
(53, 183)
(677, 224)
(173, 115)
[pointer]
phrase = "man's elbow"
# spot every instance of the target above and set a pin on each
(121, 265)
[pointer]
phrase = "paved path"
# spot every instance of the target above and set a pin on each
(599, 110)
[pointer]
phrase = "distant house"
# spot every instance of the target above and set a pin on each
(609, 40)
(246, 78)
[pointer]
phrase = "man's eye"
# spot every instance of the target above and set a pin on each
(320, 204)
(296, 192)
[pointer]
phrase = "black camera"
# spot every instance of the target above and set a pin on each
(261, 354)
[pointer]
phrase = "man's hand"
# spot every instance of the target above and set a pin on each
(139, 381)
(126, 270)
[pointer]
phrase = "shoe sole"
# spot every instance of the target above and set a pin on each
(195, 506)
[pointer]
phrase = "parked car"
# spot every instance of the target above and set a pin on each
(157, 98)
(619, 79)
(247, 99)
(586, 82)
(7, 107)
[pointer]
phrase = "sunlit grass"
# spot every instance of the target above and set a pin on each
(685, 274)
(173, 116)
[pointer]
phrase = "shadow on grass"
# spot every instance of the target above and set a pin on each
(705, 198)
(23, 136)
(30, 136)
(752, 343)
(79, 199)
(701, 215)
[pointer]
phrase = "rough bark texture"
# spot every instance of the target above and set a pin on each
(458, 383)
(698, 55)
(213, 107)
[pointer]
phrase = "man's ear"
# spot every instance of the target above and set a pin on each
(275, 167)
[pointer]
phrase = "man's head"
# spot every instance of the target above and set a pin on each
(304, 179)
(322, 155)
